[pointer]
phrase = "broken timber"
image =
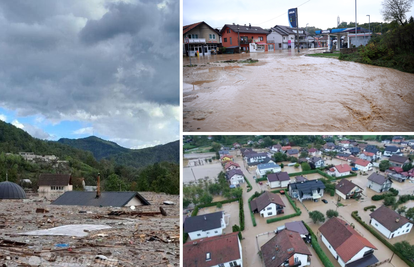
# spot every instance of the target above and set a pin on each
(138, 213)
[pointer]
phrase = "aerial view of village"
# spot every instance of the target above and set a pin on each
(308, 65)
(309, 200)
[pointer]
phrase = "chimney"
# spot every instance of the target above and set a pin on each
(250, 26)
(98, 186)
(397, 220)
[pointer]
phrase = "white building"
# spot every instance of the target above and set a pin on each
(340, 170)
(235, 176)
(267, 204)
(379, 183)
(347, 189)
(390, 223)
(280, 179)
(52, 185)
(363, 165)
(206, 225)
(345, 244)
(271, 167)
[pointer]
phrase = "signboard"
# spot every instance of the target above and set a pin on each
(292, 13)
(326, 31)
(187, 40)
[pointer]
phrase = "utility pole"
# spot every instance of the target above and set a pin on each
(355, 21)
(306, 35)
(297, 28)
(238, 36)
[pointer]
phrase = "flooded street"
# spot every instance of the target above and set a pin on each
(289, 92)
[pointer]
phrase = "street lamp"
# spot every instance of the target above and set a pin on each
(306, 35)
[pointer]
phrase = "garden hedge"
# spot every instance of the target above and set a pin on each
(369, 207)
(256, 194)
(249, 186)
(314, 241)
(355, 215)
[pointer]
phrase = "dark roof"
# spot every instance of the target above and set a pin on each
(48, 179)
(344, 186)
(203, 222)
(371, 148)
(343, 238)
(399, 159)
(281, 176)
(354, 149)
(307, 186)
(233, 172)
(244, 29)
(364, 262)
(389, 218)
(391, 148)
(82, 198)
(298, 227)
(188, 28)
(300, 179)
(314, 159)
(9, 190)
(264, 200)
(293, 151)
(342, 155)
(255, 155)
(222, 249)
(282, 247)
(377, 178)
(286, 30)
(398, 137)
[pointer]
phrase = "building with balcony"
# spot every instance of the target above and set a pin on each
(202, 38)
(311, 190)
(285, 37)
(234, 36)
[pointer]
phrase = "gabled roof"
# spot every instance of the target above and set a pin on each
(307, 186)
(281, 176)
(244, 29)
(389, 218)
(315, 159)
(222, 249)
(369, 154)
(203, 222)
(362, 162)
(255, 155)
(292, 151)
(51, 179)
(267, 166)
(282, 247)
(188, 28)
(310, 150)
(378, 178)
(297, 226)
(343, 168)
(391, 148)
(300, 179)
(284, 148)
(226, 156)
(265, 199)
(398, 159)
(286, 30)
(371, 148)
(107, 199)
(343, 238)
(231, 163)
(344, 186)
(233, 172)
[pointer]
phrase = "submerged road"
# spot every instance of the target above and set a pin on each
(289, 92)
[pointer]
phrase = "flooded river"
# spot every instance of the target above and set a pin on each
(289, 92)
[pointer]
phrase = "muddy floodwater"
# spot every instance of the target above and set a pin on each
(285, 91)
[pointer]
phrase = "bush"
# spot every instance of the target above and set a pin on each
(378, 197)
(369, 207)
(256, 194)
(393, 191)
(331, 213)
(219, 205)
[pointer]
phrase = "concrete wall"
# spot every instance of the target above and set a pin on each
(134, 202)
(374, 186)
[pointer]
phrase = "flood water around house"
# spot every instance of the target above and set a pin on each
(285, 91)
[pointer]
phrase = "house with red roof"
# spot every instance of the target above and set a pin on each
(231, 165)
(201, 37)
(340, 170)
(314, 152)
(287, 248)
(363, 165)
(347, 246)
(389, 223)
(236, 145)
(367, 156)
(223, 250)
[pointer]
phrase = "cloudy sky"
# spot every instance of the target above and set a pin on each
(103, 67)
(268, 13)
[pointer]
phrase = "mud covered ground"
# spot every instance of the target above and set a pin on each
(289, 92)
(131, 240)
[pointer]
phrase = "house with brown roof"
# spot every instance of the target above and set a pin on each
(267, 204)
(286, 248)
(347, 246)
(398, 161)
(224, 250)
(379, 183)
(53, 185)
(340, 170)
(235, 177)
(347, 189)
(201, 38)
(280, 179)
(314, 152)
(389, 223)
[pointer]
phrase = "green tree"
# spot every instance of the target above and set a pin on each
(407, 167)
(331, 213)
(215, 147)
(390, 201)
(236, 228)
(297, 165)
(206, 198)
(410, 213)
(396, 10)
(303, 154)
(406, 249)
(115, 183)
(267, 141)
(384, 165)
(402, 210)
(306, 166)
(317, 216)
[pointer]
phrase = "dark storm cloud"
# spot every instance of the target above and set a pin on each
(94, 58)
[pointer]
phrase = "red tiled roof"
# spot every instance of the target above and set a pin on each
(397, 169)
(343, 238)
(362, 162)
(343, 168)
(188, 28)
(230, 163)
(286, 147)
(312, 150)
(368, 154)
(222, 249)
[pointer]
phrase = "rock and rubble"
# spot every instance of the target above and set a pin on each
(144, 236)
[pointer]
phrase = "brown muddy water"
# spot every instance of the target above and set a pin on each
(289, 92)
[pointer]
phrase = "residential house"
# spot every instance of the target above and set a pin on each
(379, 183)
(246, 151)
(267, 204)
(329, 146)
(313, 152)
(236, 145)
(397, 173)
(52, 185)
(201, 38)
(342, 156)
(253, 165)
(226, 158)
(217, 251)
(224, 152)
(299, 179)
(347, 189)
(256, 157)
(231, 165)
(276, 148)
(271, 167)
(312, 189)
(353, 150)
(397, 139)
(389, 223)
(98, 199)
(367, 156)
(347, 246)
(207, 225)
(232, 33)
(375, 150)
(285, 37)
(340, 170)
(300, 228)
(293, 153)
(286, 148)
(286, 249)
(280, 179)
(316, 162)
(398, 161)
(391, 150)
(235, 177)
(344, 143)
(363, 165)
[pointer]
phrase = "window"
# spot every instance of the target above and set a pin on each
(280, 45)
(376, 224)
(225, 40)
(198, 234)
(208, 232)
(230, 41)
(228, 31)
(269, 213)
(208, 256)
(192, 36)
(407, 230)
(216, 232)
(407, 225)
(221, 265)
(269, 208)
(261, 38)
(212, 36)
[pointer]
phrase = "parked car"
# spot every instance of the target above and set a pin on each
(325, 201)
(354, 169)
(260, 183)
(254, 177)
(280, 212)
(282, 192)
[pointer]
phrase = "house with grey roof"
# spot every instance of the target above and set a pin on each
(392, 150)
(316, 162)
(98, 199)
(293, 153)
(256, 157)
(379, 183)
(280, 179)
(207, 225)
(389, 223)
(285, 37)
(53, 185)
(270, 167)
(308, 190)
(267, 204)
(235, 177)
(398, 161)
